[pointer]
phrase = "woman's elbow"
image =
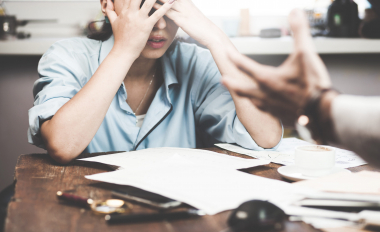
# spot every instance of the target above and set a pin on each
(268, 144)
(271, 140)
(61, 150)
(61, 154)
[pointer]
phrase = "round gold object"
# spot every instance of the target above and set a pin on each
(115, 203)
(110, 206)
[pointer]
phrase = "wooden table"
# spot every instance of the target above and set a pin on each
(36, 208)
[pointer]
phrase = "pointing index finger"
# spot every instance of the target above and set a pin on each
(301, 32)
(134, 4)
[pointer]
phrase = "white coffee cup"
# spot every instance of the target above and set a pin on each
(315, 160)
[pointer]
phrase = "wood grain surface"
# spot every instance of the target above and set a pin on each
(36, 208)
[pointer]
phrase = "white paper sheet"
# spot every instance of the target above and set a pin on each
(320, 213)
(211, 189)
(364, 183)
(285, 153)
(205, 181)
(151, 156)
(324, 223)
(322, 218)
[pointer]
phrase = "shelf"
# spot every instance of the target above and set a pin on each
(245, 45)
(284, 45)
(31, 46)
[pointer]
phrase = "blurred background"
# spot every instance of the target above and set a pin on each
(346, 34)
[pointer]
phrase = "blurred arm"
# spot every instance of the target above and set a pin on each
(356, 123)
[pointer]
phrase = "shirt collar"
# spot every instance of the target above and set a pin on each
(168, 67)
(168, 70)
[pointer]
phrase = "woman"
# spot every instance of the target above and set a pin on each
(92, 95)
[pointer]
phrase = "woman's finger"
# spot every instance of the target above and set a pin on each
(174, 7)
(263, 75)
(258, 103)
(301, 32)
(275, 79)
(147, 6)
(161, 12)
(135, 5)
(156, 6)
(268, 79)
(171, 13)
(110, 11)
(125, 6)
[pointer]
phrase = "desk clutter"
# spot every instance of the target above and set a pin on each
(212, 183)
(354, 198)
(205, 180)
(285, 153)
(303, 160)
(106, 207)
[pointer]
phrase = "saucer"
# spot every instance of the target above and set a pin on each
(292, 172)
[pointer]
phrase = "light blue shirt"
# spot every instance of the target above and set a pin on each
(191, 109)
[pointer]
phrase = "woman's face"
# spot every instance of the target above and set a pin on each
(160, 38)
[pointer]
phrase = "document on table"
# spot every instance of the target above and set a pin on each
(151, 156)
(204, 180)
(364, 182)
(324, 223)
(285, 153)
(210, 188)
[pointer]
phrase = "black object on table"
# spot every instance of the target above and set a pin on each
(146, 217)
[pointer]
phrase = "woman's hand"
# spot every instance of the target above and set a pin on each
(285, 90)
(188, 17)
(132, 27)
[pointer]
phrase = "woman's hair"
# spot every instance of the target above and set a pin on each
(102, 34)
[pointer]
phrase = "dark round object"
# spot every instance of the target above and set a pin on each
(256, 215)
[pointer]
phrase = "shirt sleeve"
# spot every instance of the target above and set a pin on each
(215, 112)
(356, 121)
(60, 79)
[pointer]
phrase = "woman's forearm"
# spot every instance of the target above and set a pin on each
(74, 125)
(220, 46)
(265, 129)
(356, 124)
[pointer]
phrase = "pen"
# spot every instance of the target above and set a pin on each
(73, 199)
(131, 218)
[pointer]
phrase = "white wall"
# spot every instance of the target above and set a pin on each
(73, 16)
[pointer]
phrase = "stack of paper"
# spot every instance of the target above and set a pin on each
(364, 182)
(206, 180)
(284, 154)
(211, 182)
(362, 186)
